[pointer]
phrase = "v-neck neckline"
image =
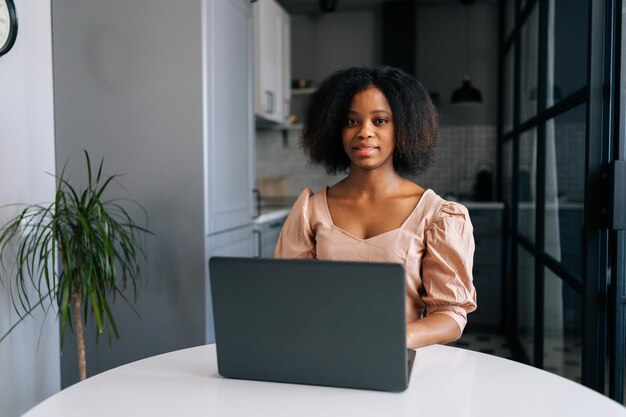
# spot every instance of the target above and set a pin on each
(332, 223)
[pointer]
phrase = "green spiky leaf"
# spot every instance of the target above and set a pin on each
(97, 243)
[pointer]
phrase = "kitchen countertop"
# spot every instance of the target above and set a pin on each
(270, 214)
(277, 207)
(483, 205)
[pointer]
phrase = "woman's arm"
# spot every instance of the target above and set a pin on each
(432, 329)
(449, 292)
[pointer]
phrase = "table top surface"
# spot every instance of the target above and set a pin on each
(445, 381)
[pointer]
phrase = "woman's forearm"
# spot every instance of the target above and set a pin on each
(432, 329)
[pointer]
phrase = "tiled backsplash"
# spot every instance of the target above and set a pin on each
(461, 151)
(274, 159)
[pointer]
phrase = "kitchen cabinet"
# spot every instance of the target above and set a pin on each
(235, 242)
(267, 230)
(299, 100)
(487, 221)
(229, 132)
(272, 61)
(229, 124)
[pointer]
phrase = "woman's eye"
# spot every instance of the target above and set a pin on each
(380, 121)
(352, 122)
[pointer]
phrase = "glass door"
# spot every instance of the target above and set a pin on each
(617, 221)
(556, 146)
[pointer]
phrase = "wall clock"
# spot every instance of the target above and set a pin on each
(8, 25)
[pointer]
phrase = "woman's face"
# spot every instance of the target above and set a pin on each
(368, 134)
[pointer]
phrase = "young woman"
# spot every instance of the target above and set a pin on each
(379, 125)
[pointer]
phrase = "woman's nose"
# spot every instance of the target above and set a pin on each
(366, 130)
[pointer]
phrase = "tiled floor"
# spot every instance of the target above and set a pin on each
(485, 342)
(562, 356)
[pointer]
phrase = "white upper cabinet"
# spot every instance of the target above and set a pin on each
(271, 61)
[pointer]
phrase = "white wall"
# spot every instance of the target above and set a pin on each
(128, 88)
(29, 357)
(441, 58)
(322, 44)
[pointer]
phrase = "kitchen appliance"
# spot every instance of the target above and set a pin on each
(483, 185)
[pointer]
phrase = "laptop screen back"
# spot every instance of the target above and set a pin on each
(312, 322)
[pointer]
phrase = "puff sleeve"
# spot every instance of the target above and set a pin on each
(447, 264)
(296, 238)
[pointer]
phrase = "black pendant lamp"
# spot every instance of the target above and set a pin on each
(328, 6)
(467, 94)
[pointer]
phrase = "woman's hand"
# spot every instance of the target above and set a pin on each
(437, 328)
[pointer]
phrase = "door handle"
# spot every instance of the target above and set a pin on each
(617, 199)
(257, 202)
(270, 101)
(257, 233)
(276, 225)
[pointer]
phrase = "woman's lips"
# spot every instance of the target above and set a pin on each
(365, 150)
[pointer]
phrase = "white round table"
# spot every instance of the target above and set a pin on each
(446, 381)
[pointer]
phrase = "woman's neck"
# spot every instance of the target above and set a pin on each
(373, 182)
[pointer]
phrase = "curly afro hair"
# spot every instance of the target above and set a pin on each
(414, 115)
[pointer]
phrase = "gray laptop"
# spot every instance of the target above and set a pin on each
(339, 324)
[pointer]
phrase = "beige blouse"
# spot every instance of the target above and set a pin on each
(435, 244)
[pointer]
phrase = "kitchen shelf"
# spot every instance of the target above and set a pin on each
(302, 91)
(263, 124)
(286, 126)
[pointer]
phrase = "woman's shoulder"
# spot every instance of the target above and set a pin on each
(302, 201)
(305, 195)
(453, 208)
(309, 202)
(308, 195)
(441, 209)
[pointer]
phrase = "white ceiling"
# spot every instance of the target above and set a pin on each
(313, 6)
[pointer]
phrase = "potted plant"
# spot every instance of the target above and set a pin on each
(97, 245)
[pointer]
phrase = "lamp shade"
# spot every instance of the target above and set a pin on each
(467, 93)
(328, 6)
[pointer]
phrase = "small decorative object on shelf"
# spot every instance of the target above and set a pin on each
(301, 83)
